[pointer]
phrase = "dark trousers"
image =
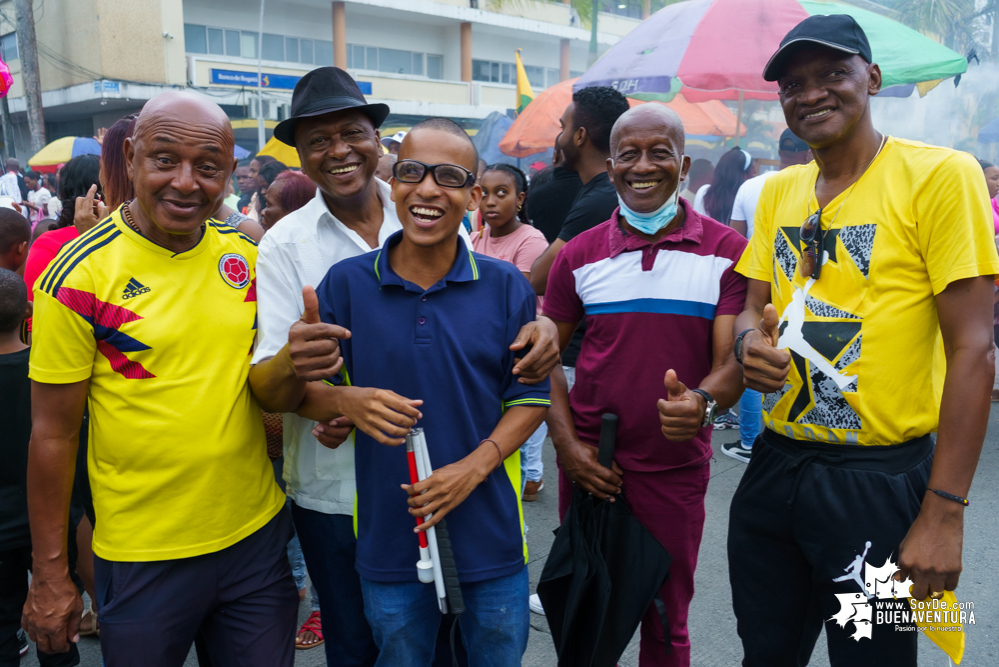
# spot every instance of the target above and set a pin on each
(242, 600)
(329, 547)
(14, 566)
(804, 515)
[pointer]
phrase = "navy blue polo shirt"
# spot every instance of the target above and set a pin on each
(449, 346)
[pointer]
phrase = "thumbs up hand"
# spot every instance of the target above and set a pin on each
(764, 367)
(312, 344)
(682, 411)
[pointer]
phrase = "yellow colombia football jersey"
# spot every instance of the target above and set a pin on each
(178, 461)
(867, 359)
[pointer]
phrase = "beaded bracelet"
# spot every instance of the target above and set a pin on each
(498, 450)
(951, 496)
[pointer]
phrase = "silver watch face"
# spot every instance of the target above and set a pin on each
(709, 413)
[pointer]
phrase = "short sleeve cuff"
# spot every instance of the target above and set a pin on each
(58, 377)
(971, 271)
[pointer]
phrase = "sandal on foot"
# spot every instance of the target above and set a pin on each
(314, 626)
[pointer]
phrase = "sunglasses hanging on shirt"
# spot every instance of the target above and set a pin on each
(811, 238)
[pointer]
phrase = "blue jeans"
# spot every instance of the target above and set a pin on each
(750, 417)
(531, 464)
(329, 546)
(405, 619)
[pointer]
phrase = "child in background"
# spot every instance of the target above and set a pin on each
(510, 237)
(15, 235)
(15, 426)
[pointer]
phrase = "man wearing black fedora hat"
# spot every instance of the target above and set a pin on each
(867, 328)
(335, 131)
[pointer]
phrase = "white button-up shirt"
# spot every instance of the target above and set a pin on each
(296, 252)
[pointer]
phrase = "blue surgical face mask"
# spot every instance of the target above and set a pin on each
(651, 222)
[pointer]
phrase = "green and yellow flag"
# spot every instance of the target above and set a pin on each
(524, 92)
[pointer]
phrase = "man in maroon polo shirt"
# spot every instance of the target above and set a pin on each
(657, 288)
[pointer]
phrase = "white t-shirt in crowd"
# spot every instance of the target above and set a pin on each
(41, 197)
(744, 207)
(699, 199)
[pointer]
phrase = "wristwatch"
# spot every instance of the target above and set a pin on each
(710, 408)
(738, 344)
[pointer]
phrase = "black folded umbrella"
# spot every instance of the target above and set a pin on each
(603, 572)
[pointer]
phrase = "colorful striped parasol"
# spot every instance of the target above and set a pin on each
(62, 151)
(717, 49)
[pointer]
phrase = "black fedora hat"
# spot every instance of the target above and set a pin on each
(325, 90)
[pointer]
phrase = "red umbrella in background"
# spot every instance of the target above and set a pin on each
(537, 125)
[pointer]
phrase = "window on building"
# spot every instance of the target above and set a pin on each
(435, 67)
(395, 61)
(232, 43)
(536, 75)
(493, 72)
(324, 53)
(215, 42)
(291, 49)
(248, 44)
(194, 38)
(307, 52)
(272, 47)
(8, 47)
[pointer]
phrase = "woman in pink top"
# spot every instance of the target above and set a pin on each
(509, 236)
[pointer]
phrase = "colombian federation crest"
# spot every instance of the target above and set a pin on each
(235, 270)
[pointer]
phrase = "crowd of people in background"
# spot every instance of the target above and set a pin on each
(216, 404)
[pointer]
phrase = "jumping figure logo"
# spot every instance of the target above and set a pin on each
(235, 270)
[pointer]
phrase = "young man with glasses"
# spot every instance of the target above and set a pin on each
(867, 327)
(335, 131)
(407, 362)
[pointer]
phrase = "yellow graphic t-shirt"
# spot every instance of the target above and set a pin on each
(177, 460)
(867, 355)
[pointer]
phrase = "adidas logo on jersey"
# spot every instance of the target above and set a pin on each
(134, 288)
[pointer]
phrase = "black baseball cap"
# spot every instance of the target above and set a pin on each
(836, 31)
(325, 90)
(790, 143)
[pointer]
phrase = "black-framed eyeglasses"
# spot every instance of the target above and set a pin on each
(445, 175)
(811, 238)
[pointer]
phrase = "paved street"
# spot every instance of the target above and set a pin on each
(712, 624)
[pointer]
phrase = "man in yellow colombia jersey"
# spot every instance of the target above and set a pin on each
(149, 320)
(878, 260)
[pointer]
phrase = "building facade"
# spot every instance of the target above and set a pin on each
(102, 59)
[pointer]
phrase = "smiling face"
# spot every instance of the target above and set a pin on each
(500, 198)
(180, 161)
(992, 178)
(431, 214)
(826, 94)
(647, 162)
(339, 152)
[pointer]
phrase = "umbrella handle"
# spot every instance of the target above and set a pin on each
(455, 600)
(608, 439)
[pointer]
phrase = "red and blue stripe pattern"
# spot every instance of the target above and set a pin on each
(106, 318)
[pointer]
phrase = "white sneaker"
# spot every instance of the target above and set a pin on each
(535, 603)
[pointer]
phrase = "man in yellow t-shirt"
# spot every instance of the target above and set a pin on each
(867, 327)
(148, 320)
